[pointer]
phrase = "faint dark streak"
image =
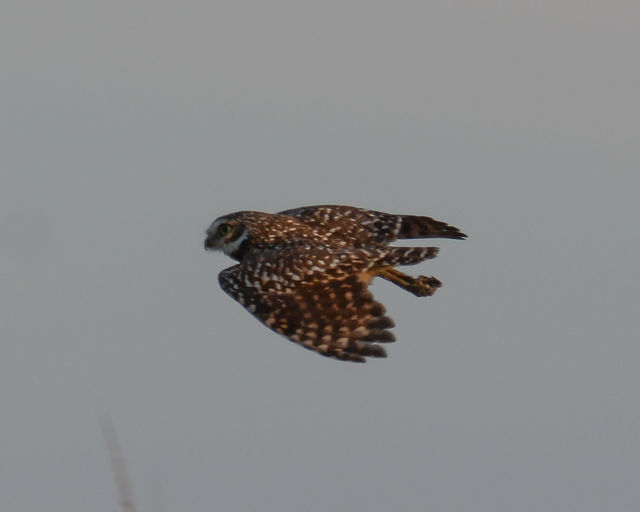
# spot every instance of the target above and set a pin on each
(125, 490)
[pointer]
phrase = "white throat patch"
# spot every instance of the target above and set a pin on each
(231, 247)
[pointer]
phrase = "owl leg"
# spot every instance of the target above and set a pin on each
(421, 286)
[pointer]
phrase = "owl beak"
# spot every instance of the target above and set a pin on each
(209, 243)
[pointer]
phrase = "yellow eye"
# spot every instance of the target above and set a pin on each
(224, 229)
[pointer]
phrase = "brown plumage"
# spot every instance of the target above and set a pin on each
(304, 272)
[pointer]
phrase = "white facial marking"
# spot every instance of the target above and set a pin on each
(231, 247)
(214, 226)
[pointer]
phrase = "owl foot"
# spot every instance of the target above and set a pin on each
(424, 286)
(421, 286)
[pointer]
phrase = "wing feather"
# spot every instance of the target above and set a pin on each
(335, 317)
(362, 227)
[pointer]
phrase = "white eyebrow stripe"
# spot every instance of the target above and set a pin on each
(214, 225)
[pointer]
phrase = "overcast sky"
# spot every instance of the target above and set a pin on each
(127, 127)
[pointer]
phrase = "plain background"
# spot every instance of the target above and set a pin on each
(127, 127)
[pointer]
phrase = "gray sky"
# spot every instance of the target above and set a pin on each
(128, 126)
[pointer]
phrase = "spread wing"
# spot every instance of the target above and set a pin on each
(363, 227)
(328, 311)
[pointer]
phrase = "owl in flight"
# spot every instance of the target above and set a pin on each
(304, 272)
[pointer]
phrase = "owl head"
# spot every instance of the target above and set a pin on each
(241, 233)
(226, 234)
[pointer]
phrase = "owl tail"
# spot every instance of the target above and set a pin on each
(409, 255)
(415, 226)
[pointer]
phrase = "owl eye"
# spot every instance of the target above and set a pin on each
(224, 229)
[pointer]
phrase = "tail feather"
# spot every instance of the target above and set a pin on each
(415, 226)
(409, 255)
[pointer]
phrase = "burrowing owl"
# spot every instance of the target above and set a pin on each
(304, 272)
